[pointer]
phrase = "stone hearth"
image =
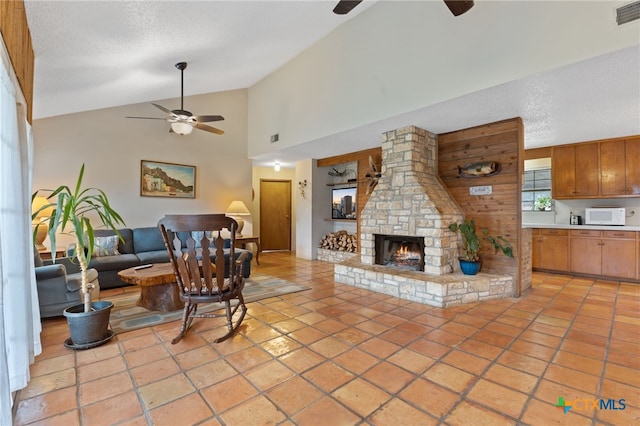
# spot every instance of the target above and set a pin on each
(411, 200)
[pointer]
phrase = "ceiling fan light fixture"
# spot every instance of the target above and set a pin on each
(181, 128)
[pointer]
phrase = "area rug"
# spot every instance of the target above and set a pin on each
(126, 316)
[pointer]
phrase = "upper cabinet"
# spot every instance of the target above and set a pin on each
(574, 171)
(620, 167)
(601, 169)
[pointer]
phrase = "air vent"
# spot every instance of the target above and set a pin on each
(628, 13)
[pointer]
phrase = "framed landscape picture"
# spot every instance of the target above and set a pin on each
(159, 179)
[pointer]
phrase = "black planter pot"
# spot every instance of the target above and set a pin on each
(470, 267)
(88, 329)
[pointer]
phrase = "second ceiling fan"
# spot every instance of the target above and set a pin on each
(181, 120)
(457, 7)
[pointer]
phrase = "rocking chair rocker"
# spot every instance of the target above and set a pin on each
(195, 247)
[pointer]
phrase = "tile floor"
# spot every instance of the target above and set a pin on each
(336, 355)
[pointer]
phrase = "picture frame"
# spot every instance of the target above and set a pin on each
(343, 203)
(171, 180)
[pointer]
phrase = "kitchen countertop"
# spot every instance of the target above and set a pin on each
(567, 226)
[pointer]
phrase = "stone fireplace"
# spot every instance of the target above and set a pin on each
(406, 248)
(410, 200)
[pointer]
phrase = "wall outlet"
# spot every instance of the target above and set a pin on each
(275, 138)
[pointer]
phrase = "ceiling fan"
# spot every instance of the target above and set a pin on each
(182, 121)
(457, 7)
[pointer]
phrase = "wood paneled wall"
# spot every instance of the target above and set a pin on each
(362, 159)
(499, 212)
(17, 38)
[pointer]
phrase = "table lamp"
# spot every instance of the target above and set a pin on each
(235, 210)
(40, 220)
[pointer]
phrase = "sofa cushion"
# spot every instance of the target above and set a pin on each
(106, 246)
(147, 239)
(156, 256)
(124, 247)
(114, 263)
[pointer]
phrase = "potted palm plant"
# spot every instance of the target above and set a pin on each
(72, 209)
(470, 260)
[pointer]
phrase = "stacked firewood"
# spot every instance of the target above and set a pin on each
(340, 241)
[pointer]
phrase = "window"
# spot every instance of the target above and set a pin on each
(536, 184)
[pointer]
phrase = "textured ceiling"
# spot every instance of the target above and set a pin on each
(98, 54)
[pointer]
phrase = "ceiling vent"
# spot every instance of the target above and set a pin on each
(628, 13)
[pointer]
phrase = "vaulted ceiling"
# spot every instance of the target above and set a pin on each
(98, 54)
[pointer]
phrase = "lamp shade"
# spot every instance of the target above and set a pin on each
(39, 203)
(39, 222)
(181, 128)
(237, 208)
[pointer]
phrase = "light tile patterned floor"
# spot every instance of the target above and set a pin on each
(336, 355)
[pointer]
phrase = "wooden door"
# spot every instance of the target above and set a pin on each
(587, 178)
(554, 250)
(612, 168)
(619, 257)
(586, 255)
(275, 214)
(632, 152)
(563, 172)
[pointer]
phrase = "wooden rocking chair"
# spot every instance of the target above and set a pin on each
(193, 241)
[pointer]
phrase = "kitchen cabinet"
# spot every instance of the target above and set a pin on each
(550, 249)
(607, 253)
(574, 170)
(620, 167)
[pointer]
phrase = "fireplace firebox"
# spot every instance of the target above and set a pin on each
(400, 251)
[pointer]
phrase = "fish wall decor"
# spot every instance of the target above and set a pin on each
(479, 169)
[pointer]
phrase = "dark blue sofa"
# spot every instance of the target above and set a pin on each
(140, 246)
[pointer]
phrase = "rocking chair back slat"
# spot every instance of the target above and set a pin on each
(196, 250)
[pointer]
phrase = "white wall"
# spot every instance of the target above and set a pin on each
(305, 241)
(112, 146)
(385, 62)
(563, 208)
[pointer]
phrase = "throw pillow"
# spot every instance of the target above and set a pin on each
(105, 246)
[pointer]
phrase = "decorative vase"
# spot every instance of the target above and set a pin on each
(88, 329)
(470, 267)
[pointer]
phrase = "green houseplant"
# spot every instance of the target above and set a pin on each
(471, 243)
(543, 203)
(72, 209)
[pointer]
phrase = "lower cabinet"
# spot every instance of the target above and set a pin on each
(612, 254)
(551, 249)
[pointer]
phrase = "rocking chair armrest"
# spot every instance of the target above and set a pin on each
(240, 265)
(50, 271)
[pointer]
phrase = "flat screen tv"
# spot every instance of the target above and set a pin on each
(343, 203)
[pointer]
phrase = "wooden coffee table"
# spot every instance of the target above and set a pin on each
(158, 288)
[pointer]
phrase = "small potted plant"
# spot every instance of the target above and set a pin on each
(71, 211)
(470, 260)
(543, 203)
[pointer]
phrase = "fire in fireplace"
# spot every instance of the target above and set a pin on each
(400, 251)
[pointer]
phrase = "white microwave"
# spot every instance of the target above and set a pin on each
(604, 216)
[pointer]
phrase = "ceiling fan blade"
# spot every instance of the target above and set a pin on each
(163, 109)
(208, 118)
(149, 118)
(208, 128)
(345, 6)
(458, 7)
